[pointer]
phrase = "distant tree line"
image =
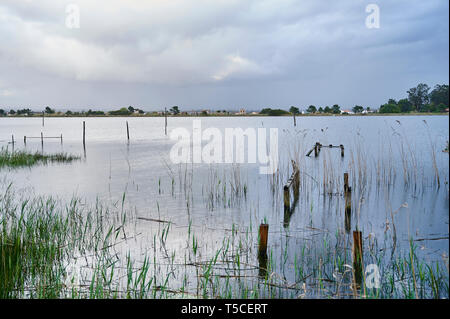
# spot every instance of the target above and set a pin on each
(420, 99)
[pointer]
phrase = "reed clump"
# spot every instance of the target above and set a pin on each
(24, 158)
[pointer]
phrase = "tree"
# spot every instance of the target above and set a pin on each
(24, 112)
(2, 112)
(439, 95)
(389, 108)
(12, 112)
(336, 109)
(311, 109)
(294, 110)
(265, 110)
(392, 101)
(441, 107)
(48, 110)
(175, 110)
(327, 109)
(357, 109)
(320, 109)
(418, 96)
(131, 109)
(122, 111)
(90, 112)
(405, 106)
(277, 112)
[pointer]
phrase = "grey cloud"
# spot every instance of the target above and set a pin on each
(227, 53)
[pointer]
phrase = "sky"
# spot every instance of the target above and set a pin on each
(218, 54)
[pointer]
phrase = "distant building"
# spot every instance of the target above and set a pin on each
(347, 111)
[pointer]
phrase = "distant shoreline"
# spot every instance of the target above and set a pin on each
(226, 115)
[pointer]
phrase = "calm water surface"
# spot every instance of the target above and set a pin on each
(389, 159)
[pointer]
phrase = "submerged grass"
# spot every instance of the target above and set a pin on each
(52, 249)
(24, 158)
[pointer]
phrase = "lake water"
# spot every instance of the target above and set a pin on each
(393, 163)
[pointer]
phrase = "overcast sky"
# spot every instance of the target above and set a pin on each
(218, 54)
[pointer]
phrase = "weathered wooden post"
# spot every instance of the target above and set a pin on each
(317, 148)
(84, 134)
(348, 212)
(262, 249)
(165, 120)
(296, 184)
(61, 139)
(128, 133)
(295, 123)
(43, 114)
(357, 257)
(342, 150)
(287, 198)
(25, 140)
(347, 188)
(263, 236)
(42, 138)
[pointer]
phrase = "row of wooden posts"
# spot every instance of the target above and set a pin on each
(357, 249)
(42, 137)
(318, 147)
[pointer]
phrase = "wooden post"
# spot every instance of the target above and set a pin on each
(357, 257)
(262, 249)
(287, 198)
(347, 188)
(128, 133)
(317, 148)
(263, 235)
(61, 138)
(25, 140)
(42, 138)
(43, 115)
(342, 150)
(84, 134)
(296, 184)
(295, 123)
(348, 212)
(165, 120)
(12, 139)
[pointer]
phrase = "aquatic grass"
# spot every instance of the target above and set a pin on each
(26, 159)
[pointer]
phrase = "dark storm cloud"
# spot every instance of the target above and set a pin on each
(221, 53)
